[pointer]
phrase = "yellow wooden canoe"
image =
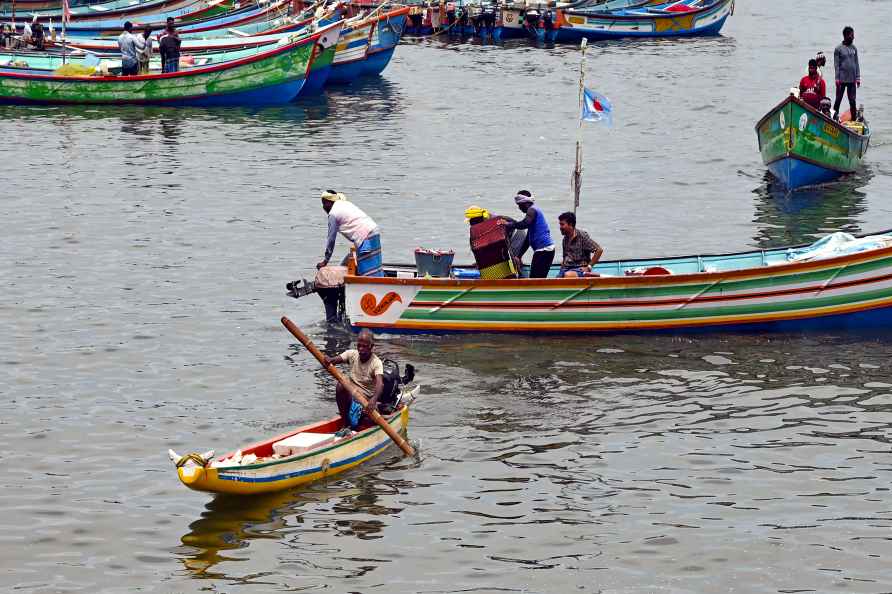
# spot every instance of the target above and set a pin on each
(258, 468)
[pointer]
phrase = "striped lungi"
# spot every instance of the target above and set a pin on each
(368, 257)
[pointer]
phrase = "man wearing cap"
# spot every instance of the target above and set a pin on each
(349, 220)
(538, 233)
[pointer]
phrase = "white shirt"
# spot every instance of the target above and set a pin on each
(350, 221)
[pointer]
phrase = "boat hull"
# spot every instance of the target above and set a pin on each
(298, 470)
(270, 77)
(352, 51)
(769, 294)
(575, 25)
(385, 37)
(802, 147)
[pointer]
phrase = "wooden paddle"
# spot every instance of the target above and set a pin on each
(357, 395)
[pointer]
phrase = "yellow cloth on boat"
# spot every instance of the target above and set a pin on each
(74, 70)
(475, 212)
(856, 127)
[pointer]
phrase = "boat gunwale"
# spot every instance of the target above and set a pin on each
(813, 111)
(368, 431)
(701, 324)
(775, 270)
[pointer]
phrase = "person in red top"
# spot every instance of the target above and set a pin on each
(812, 87)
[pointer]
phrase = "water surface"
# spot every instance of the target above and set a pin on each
(145, 252)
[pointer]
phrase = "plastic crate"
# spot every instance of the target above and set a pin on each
(434, 263)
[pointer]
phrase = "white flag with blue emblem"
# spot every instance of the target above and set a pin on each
(596, 107)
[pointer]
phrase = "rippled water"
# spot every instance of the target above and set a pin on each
(144, 253)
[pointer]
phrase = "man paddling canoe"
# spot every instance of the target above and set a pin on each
(367, 374)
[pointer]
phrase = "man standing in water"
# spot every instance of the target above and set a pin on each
(366, 374)
(848, 72)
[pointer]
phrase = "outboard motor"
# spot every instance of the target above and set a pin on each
(391, 394)
(329, 285)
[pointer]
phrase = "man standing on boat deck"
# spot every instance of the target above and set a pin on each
(359, 229)
(169, 47)
(144, 49)
(538, 233)
(127, 45)
(366, 374)
(581, 252)
(848, 72)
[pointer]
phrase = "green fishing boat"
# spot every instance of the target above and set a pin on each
(258, 76)
(802, 146)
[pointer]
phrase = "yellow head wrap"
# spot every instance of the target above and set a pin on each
(333, 196)
(475, 212)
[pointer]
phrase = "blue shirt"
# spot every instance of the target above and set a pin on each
(539, 234)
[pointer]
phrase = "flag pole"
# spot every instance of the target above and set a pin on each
(65, 17)
(576, 180)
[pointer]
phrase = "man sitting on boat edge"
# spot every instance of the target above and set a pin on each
(581, 252)
(367, 374)
(812, 87)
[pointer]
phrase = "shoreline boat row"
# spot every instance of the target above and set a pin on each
(276, 69)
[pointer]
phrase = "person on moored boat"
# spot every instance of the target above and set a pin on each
(848, 71)
(812, 87)
(366, 374)
(127, 45)
(169, 47)
(37, 34)
(824, 108)
(495, 259)
(538, 233)
(144, 50)
(581, 252)
(349, 220)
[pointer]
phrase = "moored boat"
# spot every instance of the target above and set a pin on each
(386, 34)
(312, 452)
(266, 76)
(352, 50)
(784, 289)
(671, 19)
(801, 146)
